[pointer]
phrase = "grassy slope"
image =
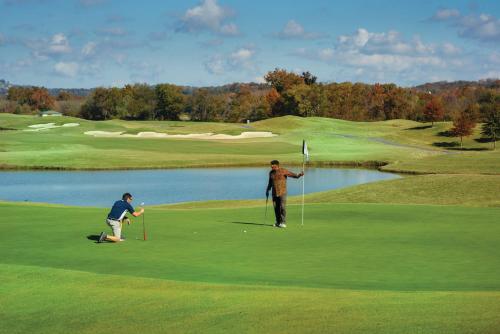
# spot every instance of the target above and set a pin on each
(329, 141)
(464, 190)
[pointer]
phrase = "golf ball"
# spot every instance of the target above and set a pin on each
(245, 231)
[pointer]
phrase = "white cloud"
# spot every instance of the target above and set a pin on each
(208, 16)
(259, 79)
(240, 59)
(215, 65)
(229, 29)
(242, 55)
(326, 54)
(483, 27)
(494, 74)
(382, 43)
(388, 55)
(53, 47)
(69, 69)
(450, 49)
(113, 31)
(294, 30)
(495, 57)
(89, 49)
(59, 44)
(445, 14)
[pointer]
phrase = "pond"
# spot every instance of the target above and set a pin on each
(102, 188)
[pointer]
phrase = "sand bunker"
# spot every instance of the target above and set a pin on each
(204, 136)
(48, 126)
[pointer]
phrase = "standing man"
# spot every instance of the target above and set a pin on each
(116, 216)
(277, 181)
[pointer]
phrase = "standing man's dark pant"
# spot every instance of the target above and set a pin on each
(279, 203)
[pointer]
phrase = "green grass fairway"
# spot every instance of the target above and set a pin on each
(405, 145)
(374, 268)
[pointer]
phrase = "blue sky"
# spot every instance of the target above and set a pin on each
(89, 43)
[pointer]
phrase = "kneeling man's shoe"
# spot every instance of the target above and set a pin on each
(102, 237)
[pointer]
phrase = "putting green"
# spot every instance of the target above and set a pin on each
(344, 260)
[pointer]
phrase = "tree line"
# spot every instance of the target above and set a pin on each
(285, 93)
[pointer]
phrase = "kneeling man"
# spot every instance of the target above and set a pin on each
(117, 216)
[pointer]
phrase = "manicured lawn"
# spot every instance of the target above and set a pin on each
(330, 142)
(330, 273)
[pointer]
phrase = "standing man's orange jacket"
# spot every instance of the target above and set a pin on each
(277, 181)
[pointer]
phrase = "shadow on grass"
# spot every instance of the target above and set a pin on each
(423, 127)
(446, 144)
(470, 149)
(247, 223)
(483, 140)
(93, 237)
(447, 133)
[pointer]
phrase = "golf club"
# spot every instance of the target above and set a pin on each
(143, 224)
(265, 215)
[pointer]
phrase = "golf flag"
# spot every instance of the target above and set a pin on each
(305, 152)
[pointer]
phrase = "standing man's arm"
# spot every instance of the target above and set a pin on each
(295, 176)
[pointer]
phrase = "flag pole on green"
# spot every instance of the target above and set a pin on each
(305, 157)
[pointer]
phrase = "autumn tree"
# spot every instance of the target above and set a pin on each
(308, 78)
(282, 80)
(463, 125)
(139, 102)
(21, 95)
(377, 98)
(103, 104)
(491, 115)
(304, 100)
(276, 103)
(203, 106)
(170, 102)
(40, 99)
(64, 96)
(433, 110)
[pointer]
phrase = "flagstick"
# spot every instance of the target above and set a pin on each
(303, 185)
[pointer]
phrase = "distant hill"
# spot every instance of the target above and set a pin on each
(434, 87)
(4, 86)
(439, 86)
(229, 88)
(74, 91)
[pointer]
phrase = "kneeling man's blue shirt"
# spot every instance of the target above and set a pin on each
(119, 209)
